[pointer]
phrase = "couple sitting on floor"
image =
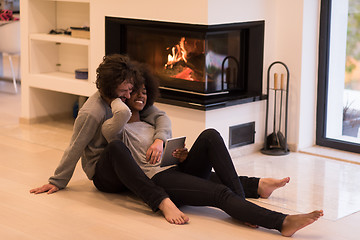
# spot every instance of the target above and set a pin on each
(119, 135)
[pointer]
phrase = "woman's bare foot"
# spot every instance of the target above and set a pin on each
(171, 213)
(293, 223)
(268, 185)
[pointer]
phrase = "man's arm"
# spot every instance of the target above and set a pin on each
(49, 188)
(84, 131)
(159, 120)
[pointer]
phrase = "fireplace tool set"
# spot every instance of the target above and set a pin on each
(275, 143)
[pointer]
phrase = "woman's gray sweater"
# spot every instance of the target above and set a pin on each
(137, 136)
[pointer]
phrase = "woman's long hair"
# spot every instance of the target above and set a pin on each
(151, 84)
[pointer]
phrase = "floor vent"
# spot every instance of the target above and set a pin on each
(242, 134)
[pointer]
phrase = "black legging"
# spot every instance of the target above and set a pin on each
(188, 184)
(116, 171)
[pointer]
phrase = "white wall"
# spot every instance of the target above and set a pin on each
(291, 36)
(223, 118)
(185, 121)
(186, 11)
(309, 71)
(291, 29)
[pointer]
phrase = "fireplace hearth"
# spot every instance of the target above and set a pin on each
(199, 66)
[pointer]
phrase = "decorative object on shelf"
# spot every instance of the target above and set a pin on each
(80, 32)
(276, 142)
(81, 73)
(60, 31)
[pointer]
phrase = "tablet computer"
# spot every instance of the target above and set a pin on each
(170, 146)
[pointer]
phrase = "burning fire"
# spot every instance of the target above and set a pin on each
(178, 53)
(183, 61)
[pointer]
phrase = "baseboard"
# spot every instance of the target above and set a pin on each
(253, 148)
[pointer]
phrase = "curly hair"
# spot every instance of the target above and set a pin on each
(114, 70)
(151, 84)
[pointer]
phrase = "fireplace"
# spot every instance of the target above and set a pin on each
(199, 66)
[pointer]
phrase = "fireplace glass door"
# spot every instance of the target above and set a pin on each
(198, 62)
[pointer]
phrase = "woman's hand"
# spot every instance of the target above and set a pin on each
(153, 154)
(181, 154)
(49, 188)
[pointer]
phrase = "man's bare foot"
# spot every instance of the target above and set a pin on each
(293, 223)
(171, 213)
(268, 185)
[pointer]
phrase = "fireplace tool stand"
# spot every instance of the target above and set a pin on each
(275, 143)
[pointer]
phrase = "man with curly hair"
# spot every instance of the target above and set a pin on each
(111, 166)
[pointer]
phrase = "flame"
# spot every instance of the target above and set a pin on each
(178, 53)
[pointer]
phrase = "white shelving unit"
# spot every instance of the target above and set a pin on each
(59, 39)
(49, 87)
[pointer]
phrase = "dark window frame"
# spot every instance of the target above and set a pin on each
(323, 72)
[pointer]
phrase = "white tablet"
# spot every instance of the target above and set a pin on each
(170, 146)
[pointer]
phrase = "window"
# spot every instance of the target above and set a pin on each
(338, 112)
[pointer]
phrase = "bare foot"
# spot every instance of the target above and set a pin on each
(293, 223)
(171, 213)
(268, 185)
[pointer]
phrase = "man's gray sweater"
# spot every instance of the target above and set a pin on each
(88, 142)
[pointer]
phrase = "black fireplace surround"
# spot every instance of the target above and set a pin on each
(199, 66)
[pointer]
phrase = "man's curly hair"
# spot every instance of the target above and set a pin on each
(114, 70)
(151, 84)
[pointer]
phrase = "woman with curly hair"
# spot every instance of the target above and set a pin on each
(191, 182)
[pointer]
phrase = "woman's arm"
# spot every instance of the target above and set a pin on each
(114, 125)
(162, 125)
(154, 152)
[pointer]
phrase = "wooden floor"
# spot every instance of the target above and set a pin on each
(30, 153)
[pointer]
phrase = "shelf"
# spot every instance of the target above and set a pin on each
(49, 86)
(59, 39)
(62, 82)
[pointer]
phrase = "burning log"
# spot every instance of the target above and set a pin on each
(184, 64)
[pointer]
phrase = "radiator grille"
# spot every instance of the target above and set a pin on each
(240, 135)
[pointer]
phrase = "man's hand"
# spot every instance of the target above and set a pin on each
(181, 154)
(49, 188)
(155, 151)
